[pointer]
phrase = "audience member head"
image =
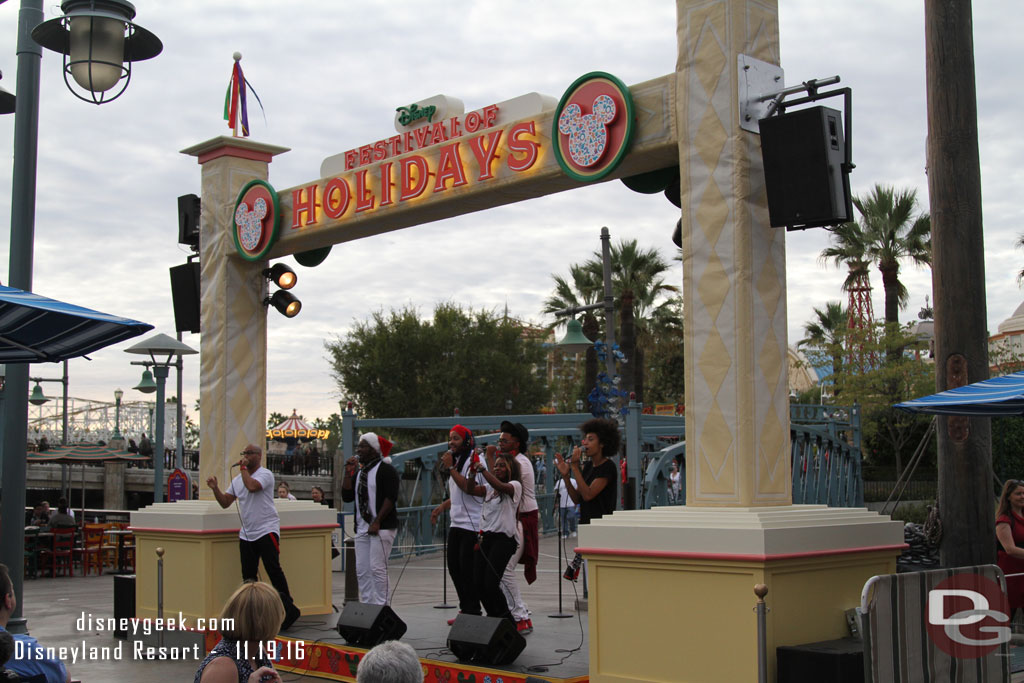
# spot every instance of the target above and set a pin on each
(6, 647)
(8, 601)
(256, 611)
(390, 662)
(1011, 498)
(283, 489)
(317, 494)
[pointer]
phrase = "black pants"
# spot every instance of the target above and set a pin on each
(490, 562)
(460, 568)
(266, 548)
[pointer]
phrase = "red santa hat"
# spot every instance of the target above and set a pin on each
(379, 444)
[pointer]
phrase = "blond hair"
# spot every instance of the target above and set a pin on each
(256, 611)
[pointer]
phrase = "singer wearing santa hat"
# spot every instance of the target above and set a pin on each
(374, 487)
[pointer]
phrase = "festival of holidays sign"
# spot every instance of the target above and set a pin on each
(440, 152)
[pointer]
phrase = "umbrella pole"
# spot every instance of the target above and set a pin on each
(83, 493)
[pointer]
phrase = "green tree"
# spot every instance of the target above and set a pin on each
(823, 335)
(877, 389)
(333, 425)
(276, 418)
(397, 365)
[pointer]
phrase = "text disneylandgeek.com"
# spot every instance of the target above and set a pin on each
(138, 649)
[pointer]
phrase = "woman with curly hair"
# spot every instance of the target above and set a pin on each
(592, 485)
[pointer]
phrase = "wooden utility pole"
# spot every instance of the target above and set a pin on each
(965, 494)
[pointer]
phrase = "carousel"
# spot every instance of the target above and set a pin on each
(296, 447)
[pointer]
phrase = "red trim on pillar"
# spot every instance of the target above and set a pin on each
(238, 152)
(737, 557)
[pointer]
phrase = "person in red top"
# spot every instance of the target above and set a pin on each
(1010, 534)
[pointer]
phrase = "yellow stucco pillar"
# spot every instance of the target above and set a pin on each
(199, 540)
(672, 588)
(233, 364)
(734, 266)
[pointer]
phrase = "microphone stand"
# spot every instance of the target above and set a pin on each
(444, 554)
(558, 535)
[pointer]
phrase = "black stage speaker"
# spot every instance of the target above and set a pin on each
(365, 625)
(185, 296)
(836, 661)
(485, 640)
(805, 173)
(189, 209)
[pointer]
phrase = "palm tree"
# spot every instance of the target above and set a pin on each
(824, 333)
(638, 279)
(889, 230)
(894, 231)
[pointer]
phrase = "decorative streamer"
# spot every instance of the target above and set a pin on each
(235, 100)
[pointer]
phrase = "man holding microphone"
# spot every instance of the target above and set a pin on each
(260, 532)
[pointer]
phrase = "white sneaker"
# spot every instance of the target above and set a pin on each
(574, 534)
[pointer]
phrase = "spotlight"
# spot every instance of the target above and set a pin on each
(281, 275)
(285, 303)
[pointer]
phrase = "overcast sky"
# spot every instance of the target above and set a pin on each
(330, 75)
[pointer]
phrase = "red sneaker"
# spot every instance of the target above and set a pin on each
(525, 627)
(451, 622)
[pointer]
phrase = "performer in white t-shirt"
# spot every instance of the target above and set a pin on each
(465, 517)
(260, 532)
(501, 492)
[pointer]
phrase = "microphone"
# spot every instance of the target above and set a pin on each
(234, 464)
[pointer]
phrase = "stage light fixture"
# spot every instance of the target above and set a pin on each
(281, 275)
(285, 303)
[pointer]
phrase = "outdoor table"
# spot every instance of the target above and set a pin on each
(120, 534)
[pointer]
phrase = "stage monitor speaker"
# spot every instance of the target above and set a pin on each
(838, 661)
(185, 296)
(189, 209)
(365, 625)
(485, 640)
(805, 169)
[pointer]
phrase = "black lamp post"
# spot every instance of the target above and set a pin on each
(118, 394)
(23, 201)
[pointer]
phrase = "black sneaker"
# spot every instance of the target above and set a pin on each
(291, 613)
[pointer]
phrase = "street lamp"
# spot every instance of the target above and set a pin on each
(99, 43)
(37, 398)
(23, 202)
(118, 395)
(163, 352)
(573, 339)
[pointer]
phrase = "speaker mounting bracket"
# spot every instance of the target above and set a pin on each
(759, 83)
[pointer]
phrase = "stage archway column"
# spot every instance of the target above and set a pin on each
(199, 538)
(690, 570)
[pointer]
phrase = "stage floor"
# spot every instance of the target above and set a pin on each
(557, 650)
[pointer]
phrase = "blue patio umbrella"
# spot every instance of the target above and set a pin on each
(35, 329)
(991, 397)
